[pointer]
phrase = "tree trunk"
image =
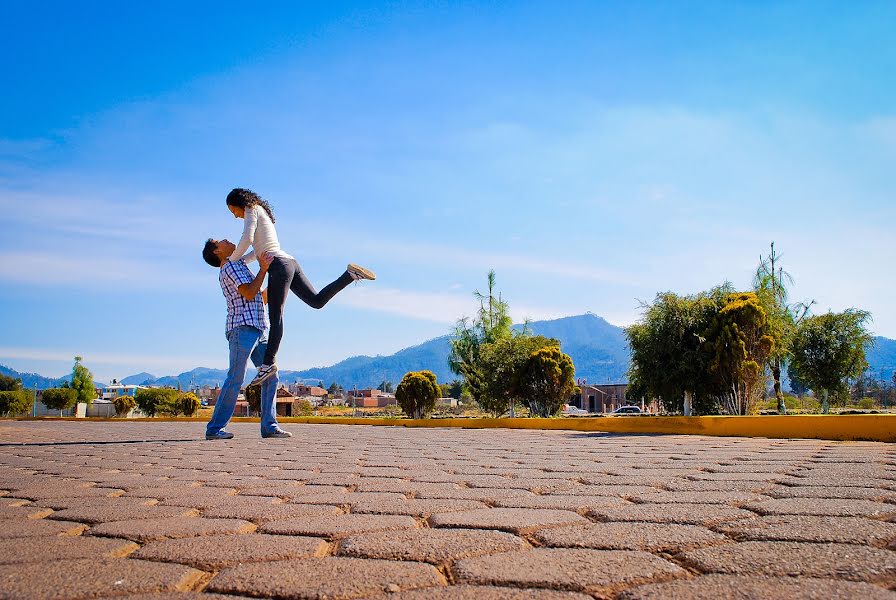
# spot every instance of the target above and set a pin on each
(779, 395)
(687, 404)
(825, 405)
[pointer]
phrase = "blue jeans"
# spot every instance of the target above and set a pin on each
(245, 342)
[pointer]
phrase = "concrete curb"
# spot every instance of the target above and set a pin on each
(876, 428)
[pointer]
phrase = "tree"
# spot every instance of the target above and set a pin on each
(155, 400)
(417, 393)
(334, 390)
(188, 404)
(492, 323)
(739, 344)
(547, 378)
(82, 382)
(829, 349)
(253, 399)
(60, 398)
(502, 363)
(770, 284)
(14, 402)
(385, 386)
(669, 362)
(455, 389)
(9, 384)
(124, 405)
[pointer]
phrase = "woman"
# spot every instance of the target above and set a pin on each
(284, 273)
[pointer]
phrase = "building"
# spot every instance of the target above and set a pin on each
(370, 398)
(600, 398)
(116, 389)
(301, 390)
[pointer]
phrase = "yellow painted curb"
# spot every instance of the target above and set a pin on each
(878, 428)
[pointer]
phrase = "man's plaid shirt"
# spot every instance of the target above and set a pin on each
(239, 310)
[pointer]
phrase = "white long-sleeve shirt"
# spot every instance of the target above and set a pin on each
(259, 233)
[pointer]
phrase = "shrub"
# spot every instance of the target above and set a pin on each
(188, 404)
(124, 405)
(156, 400)
(546, 381)
(866, 403)
(302, 407)
(60, 398)
(15, 402)
(417, 393)
(253, 397)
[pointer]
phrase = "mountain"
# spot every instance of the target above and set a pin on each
(882, 358)
(598, 350)
(31, 380)
(138, 379)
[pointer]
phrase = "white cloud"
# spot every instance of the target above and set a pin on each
(92, 271)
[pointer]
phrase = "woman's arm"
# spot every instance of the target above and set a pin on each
(251, 222)
(250, 290)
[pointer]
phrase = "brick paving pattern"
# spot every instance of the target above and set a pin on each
(152, 510)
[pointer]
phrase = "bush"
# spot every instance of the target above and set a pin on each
(188, 404)
(60, 398)
(547, 379)
(302, 407)
(417, 393)
(124, 405)
(15, 402)
(156, 400)
(253, 397)
(866, 403)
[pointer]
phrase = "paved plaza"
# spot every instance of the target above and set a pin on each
(149, 510)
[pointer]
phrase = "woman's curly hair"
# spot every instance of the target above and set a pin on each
(243, 198)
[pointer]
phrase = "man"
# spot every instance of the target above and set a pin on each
(247, 324)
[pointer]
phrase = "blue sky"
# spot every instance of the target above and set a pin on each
(593, 154)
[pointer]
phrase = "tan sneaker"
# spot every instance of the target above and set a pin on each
(357, 272)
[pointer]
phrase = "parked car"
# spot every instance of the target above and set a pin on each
(627, 410)
(569, 409)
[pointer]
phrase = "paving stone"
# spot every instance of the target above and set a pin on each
(177, 596)
(115, 502)
(857, 493)
(212, 553)
(402, 486)
(795, 559)
(348, 498)
(63, 548)
(338, 526)
(32, 528)
(650, 537)
(222, 501)
(436, 546)
(690, 514)
(805, 528)
(828, 507)
(666, 497)
(24, 512)
(262, 513)
(485, 592)
(714, 587)
(620, 491)
(183, 492)
(558, 502)
(64, 491)
(334, 578)
(91, 578)
(573, 570)
(514, 520)
(104, 514)
(147, 530)
(481, 494)
(415, 508)
(687, 485)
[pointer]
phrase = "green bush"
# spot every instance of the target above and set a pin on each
(866, 403)
(124, 405)
(547, 379)
(154, 401)
(15, 402)
(417, 393)
(60, 398)
(188, 404)
(302, 408)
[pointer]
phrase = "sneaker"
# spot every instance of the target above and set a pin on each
(277, 433)
(264, 373)
(221, 435)
(357, 272)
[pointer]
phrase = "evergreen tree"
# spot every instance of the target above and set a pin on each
(82, 382)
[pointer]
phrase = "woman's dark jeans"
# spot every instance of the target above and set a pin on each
(285, 274)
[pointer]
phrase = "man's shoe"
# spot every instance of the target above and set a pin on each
(358, 272)
(221, 435)
(277, 433)
(264, 373)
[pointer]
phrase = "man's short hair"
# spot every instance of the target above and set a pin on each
(208, 253)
